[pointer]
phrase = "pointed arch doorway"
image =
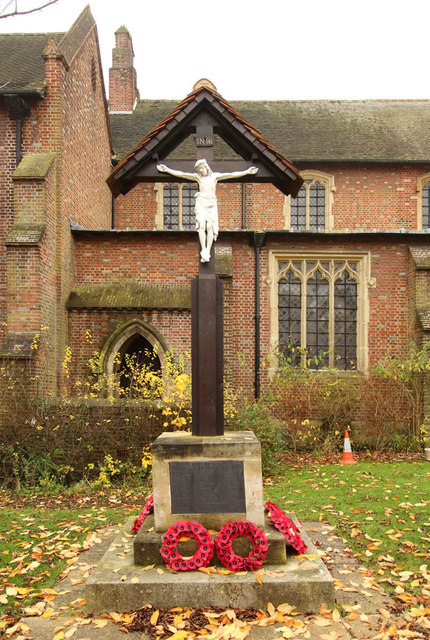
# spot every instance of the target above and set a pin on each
(135, 346)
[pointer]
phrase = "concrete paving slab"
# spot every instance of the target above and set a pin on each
(367, 625)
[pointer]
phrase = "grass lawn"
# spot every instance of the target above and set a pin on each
(381, 509)
(41, 535)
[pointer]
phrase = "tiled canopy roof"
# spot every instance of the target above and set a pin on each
(245, 140)
(315, 130)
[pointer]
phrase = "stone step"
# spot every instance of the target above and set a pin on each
(119, 585)
(147, 545)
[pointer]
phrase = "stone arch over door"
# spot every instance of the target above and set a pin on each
(134, 336)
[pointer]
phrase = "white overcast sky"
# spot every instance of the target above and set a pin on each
(256, 50)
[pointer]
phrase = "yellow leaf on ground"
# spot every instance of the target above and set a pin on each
(322, 622)
(99, 624)
(116, 617)
(285, 608)
(155, 617)
(259, 579)
(335, 615)
(59, 636)
(204, 570)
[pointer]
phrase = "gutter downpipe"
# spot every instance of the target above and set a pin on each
(259, 238)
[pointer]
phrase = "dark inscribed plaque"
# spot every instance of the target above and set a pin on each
(207, 487)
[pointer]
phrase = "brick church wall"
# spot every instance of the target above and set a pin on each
(7, 167)
(148, 259)
(70, 122)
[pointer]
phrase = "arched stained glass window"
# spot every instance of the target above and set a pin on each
(310, 210)
(317, 312)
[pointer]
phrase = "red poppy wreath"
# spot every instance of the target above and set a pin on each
(286, 526)
(224, 546)
(147, 509)
(189, 529)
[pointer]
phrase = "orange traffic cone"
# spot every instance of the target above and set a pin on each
(347, 452)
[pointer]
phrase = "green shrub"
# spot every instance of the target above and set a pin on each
(256, 417)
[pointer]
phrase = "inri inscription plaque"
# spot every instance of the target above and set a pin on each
(207, 487)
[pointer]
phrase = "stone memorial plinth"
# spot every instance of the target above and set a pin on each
(207, 479)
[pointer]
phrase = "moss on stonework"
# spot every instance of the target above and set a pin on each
(130, 296)
(34, 166)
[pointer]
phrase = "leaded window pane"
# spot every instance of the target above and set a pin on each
(317, 319)
(289, 316)
(345, 322)
(426, 206)
(316, 206)
(171, 207)
(298, 211)
(188, 206)
(326, 329)
(308, 209)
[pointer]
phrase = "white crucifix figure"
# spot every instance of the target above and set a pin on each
(206, 208)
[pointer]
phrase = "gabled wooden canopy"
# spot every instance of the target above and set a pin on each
(206, 114)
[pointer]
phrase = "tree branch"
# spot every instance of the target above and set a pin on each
(4, 7)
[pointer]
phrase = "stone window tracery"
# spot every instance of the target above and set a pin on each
(423, 189)
(320, 309)
(312, 208)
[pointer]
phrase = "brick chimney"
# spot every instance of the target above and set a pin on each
(123, 91)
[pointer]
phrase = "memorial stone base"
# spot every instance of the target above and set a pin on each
(207, 479)
(210, 480)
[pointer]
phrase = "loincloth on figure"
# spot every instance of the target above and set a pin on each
(206, 211)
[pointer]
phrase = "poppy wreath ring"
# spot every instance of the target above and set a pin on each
(286, 526)
(189, 529)
(147, 509)
(224, 546)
